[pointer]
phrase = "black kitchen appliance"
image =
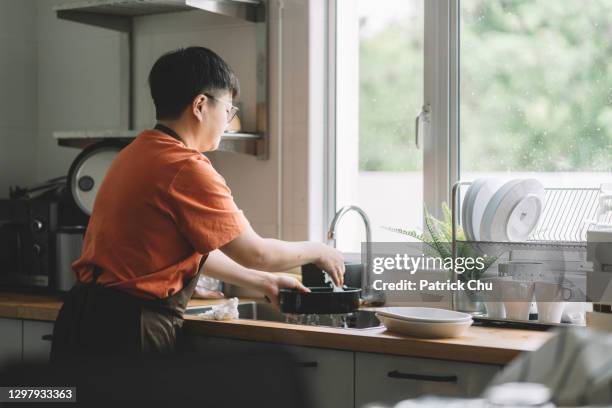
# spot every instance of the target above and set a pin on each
(42, 226)
(38, 235)
(27, 242)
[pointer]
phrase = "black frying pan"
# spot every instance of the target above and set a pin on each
(320, 300)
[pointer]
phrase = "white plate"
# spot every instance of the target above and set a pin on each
(424, 329)
(484, 190)
(468, 205)
(492, 208)
(92, 167)
(513, 211)
(424, 314)
(525, 215)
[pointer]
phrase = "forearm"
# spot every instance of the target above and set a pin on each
(220, 266)
(268, 254)
(281, 256)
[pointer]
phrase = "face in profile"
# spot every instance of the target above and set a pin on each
(217, 112)
(182, 73)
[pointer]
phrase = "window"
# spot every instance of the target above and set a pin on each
(515, 88)
(536, 90)
(379, 84)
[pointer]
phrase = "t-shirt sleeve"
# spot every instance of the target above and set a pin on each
(204, 208)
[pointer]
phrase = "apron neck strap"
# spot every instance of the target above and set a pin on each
(165, 129)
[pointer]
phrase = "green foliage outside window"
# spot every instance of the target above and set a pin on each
(536, 88)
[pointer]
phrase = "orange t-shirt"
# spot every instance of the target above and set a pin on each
(160, 208)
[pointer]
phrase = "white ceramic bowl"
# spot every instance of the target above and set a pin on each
(428, 330)
(424, 314)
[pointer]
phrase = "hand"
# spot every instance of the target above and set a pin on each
(331, 261)
(278, 282)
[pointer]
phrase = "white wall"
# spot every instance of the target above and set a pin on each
(75, 76)
(18, 93)
(78, 85)
(295, 131)
(54, 75)
(257, 185)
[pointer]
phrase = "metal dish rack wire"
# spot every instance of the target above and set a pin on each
(564, 221)
(566, 216)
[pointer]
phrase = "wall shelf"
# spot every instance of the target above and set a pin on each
(237, 142)
(119, 15)
(250, 10)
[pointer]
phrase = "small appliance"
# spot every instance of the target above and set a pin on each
(42, 226)
(35, 245)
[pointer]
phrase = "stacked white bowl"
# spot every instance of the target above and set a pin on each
(424, 322)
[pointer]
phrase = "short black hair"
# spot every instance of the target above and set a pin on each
(180, 75)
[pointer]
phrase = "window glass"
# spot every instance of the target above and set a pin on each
(379, 86)
(536, 90)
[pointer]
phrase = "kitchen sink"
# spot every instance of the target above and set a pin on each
(361, 319)
(247, 310)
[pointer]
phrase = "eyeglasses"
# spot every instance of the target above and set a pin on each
(231, 112)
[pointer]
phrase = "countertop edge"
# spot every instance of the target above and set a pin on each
(377, 341)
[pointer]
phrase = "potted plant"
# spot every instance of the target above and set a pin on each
(437, 238)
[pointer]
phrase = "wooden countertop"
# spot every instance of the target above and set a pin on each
(29, 306)
(46, 307)
(485, 345)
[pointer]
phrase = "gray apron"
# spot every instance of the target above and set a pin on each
(95, 320)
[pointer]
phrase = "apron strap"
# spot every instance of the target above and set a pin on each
(168, 131)
(180, 299)
(96, 274)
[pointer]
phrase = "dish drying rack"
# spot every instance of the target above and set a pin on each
(565, 219)
(566, 216)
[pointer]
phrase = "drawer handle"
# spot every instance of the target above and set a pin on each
(47, 337)
(423, 377)
(307, 364)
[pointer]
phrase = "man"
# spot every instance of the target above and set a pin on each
(161, 213)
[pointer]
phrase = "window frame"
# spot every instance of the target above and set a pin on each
(441, 94)
(329, 193)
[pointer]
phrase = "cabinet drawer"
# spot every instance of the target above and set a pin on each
(327, 374)
(36, 341)
(10, 341)
(389, 379)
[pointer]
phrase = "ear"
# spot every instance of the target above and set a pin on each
(197, 106)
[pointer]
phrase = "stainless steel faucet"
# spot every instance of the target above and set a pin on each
(331, 234)
(367, 294)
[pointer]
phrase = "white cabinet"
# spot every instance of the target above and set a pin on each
(345, 379)
(389, 379)
(24, 340)
(36, 340)
(327, 373)
(11, 333)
